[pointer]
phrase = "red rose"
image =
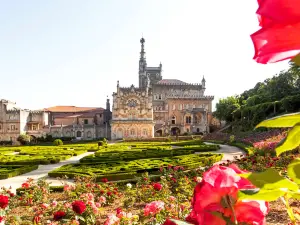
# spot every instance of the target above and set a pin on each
(36, 219)
(109, 193)
(277, 40)
(119, 210)
(2, 218)
(169, 222)
(11, 194)
(3, 201)
(58, 215)
(78, 207)
(104, 180)
(25, 185)
(157, 186)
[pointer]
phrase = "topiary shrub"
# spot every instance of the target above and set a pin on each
(58, 142)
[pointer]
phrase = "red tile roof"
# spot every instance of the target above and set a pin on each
(73, 109)
(171, 81)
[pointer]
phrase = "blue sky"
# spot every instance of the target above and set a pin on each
(72, 52)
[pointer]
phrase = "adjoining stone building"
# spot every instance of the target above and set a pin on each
(161, 106)
(82, 123)
(15, 121)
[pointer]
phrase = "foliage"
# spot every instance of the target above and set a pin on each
(24, 139)
(274, 96)
(225, 108)
(58, 142)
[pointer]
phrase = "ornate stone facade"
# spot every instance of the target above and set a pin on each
(174, 107)
(132, 113)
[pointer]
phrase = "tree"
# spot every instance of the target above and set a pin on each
(225, 108)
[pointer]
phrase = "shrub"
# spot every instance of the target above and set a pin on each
(24, 139)
(57, 142)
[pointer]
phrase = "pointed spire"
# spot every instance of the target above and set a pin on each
(142, 53)
(203, 79)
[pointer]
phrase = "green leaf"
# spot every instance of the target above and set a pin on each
(287, 120)
(291, 142)
(178, 222)
(257, 194)
(293, 170)
(270, 180)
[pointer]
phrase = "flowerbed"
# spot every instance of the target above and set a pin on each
(177, 195)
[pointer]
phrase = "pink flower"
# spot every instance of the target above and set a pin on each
(54, 203)
(102, 200)
(98, 204)
(220, 184)
(68, 205)
(153, 208)
(111, 220)
(172, 198)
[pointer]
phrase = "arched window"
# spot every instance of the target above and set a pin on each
(78, 134)
(173, 120)
(188, 119)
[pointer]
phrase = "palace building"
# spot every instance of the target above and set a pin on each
(159, 107)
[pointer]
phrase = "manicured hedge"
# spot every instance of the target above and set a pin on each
(128, 169)
(134, 154)
(200, 148)
(11, 171)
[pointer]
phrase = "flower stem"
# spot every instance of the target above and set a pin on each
(285, 200)
(230, 203)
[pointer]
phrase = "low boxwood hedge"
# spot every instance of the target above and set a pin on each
(128, 169)
(11, 171)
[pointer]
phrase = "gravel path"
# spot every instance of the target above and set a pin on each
(229, 152)
(42, 171)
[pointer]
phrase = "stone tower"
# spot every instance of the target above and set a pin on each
(154, 74)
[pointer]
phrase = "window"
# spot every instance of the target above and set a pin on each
(188, 119)
(173, 120)
(196, 119)
(89, 134)
(180, 106)
(34, 127)
(0, 127)
(198, 130)
(100, 115)
(132, 132)
(145, 132)
(159, 97)
(86, 121)
(13, 127)
(174, 107)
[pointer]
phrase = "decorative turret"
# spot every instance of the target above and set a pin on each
(203, 82)
(107, 104)
(142, 64)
